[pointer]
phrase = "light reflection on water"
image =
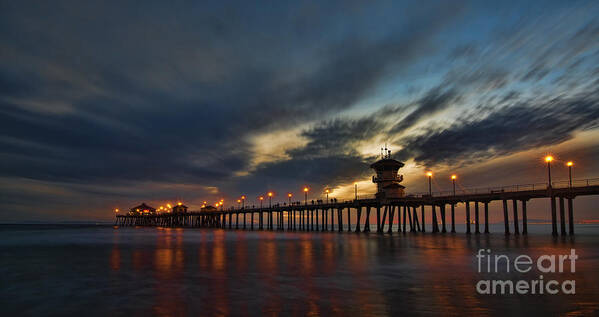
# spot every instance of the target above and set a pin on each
(166, 271)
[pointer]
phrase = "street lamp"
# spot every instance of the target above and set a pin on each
(306, 194)
(327, 191)
(269, 199)
(453, 178)
(243, 201)
(356, 190)
(570, 164)
(430, 188)
(289, 195)
(548, 159)
(238, 203)
(261, 199)
(116, 210)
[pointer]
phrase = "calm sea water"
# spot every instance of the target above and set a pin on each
(103, 271)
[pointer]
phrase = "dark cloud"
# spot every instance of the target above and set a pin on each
(434, 101)
(505, 131)
(101, 95)
(335, 137)
(116, 96)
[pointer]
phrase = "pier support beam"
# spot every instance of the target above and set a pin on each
(404, 219)
(358, 215)
(423, 220)
(340, 219)
(391, 216)
(435, 223)
(348, 219)
(415, 215)
(571, 216)
(452, 217)
(332, 219)
(384, 219)
(443, 225)
(367, 221)
(410, 218)
(486, 216)
(516, 224)
(553, 217)
(378, 218)
(562, 216)
(505, 217)
(476, 218)
(524, 218)
(467, 217)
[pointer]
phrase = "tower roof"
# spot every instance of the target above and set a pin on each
(387, 163)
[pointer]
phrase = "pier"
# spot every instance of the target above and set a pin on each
(410, 211)
(389, 200)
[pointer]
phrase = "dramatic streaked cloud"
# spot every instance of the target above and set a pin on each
(216, 99)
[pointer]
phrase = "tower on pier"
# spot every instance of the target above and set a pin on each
(387, 178)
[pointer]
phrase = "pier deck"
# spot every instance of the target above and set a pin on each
(329, 216)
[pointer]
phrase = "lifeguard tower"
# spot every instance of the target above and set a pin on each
(387, 178)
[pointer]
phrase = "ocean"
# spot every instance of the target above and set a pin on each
(101, 270)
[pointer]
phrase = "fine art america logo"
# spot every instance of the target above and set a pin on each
(550, 264)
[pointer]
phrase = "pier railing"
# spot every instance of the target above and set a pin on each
(510, 188)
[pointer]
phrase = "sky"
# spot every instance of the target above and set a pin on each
(105, 104)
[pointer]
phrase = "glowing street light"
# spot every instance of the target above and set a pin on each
(570, 164)
(178, 204)
(261, 199)
(548, 159)
(238, 203)
(289, 196)
(430, 188)
(306, 189)
(116, 210)
(327, 191)
(270, 199)
(243, 201)
(453, 178)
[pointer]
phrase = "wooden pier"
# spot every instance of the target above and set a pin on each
(336, 216)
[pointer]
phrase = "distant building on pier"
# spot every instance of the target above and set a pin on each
(180, 208)
(387, 178)
(142, 209)
(208, 208)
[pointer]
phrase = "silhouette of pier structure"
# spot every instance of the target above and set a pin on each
(389, 201)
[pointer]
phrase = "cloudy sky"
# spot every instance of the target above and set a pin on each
(104, 104)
